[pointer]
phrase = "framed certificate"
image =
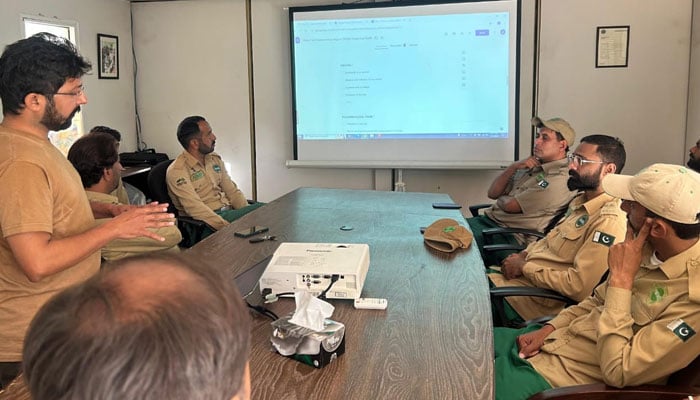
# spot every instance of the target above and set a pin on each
(612, 46)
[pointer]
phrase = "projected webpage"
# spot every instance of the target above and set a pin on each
(410, 77)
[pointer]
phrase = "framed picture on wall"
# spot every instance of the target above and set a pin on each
(107, 56)
(612, 46)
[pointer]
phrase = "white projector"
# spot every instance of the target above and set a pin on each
(312, 267)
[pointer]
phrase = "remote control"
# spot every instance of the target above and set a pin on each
(370, 304)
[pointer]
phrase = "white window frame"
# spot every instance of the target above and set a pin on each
(63, 139)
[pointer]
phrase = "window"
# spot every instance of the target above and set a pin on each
(66, 29)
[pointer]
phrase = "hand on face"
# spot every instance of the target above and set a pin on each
(625, 258)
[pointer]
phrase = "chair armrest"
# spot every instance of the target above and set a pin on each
(509, 291)
(474, 208)
(498, 295)
(601, 391)
(522, 231)
(500, 247)
(195, 222)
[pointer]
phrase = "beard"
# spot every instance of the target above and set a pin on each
(583, 182)
(53, 121)
(206, 149)
(693, 163)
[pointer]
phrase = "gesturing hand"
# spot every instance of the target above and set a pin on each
(624, 258)
(137, 221)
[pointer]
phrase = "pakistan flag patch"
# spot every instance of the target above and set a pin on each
(681, 329)
(603, 238)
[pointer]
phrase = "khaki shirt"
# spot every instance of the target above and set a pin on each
(197, 190)
(121, 248)
(41, 192)
(120, 193)
(624, 337)
(572, 258)
(541, 193)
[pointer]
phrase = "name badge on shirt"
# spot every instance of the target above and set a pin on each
(541, 182)
(197, 175)
(603, 238)
(216, 168)
(681, 329)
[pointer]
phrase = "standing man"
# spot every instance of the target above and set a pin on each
(571, 259)
(640, 325)
(49, 238)
(530, 192)
(95, 156)
(694, 157)
(198, 183)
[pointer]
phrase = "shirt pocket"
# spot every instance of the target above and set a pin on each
(565, 242)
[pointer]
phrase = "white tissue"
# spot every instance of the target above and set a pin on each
(311, 311)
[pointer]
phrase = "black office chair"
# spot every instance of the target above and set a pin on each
(191, 229)
(498, 297)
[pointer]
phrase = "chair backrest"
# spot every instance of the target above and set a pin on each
(555, 219)
(688, 376)
(158, 186)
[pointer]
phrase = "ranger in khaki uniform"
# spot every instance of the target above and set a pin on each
(198, 183)
(638, 327)
(95, 156)
(571, 259)
(530, 192)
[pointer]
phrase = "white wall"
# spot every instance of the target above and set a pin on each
(643, 104)
(110, 102)
(192, 61)
(693, 125)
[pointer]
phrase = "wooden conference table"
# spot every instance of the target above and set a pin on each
(434, 341)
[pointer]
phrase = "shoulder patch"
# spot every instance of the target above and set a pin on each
(216, 168)
(681, 329)
(180, 181)
(603, 238)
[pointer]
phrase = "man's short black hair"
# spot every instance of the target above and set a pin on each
(155, 326)
(92, 154)
(188, 129)
(38, 64)
(105, 129)
(610, 149)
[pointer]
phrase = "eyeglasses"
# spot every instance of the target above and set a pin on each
(578, 160)
(77, 92)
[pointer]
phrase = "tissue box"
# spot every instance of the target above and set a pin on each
(315, 348)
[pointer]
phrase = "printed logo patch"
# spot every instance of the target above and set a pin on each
(603, 238)
(216, 168)
(681, 329)
(197, 175)
(582, 221)
(657, 294)
(180, 181)
(543, 184)
(449, 229)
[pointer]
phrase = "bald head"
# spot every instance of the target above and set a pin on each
(155, 326)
